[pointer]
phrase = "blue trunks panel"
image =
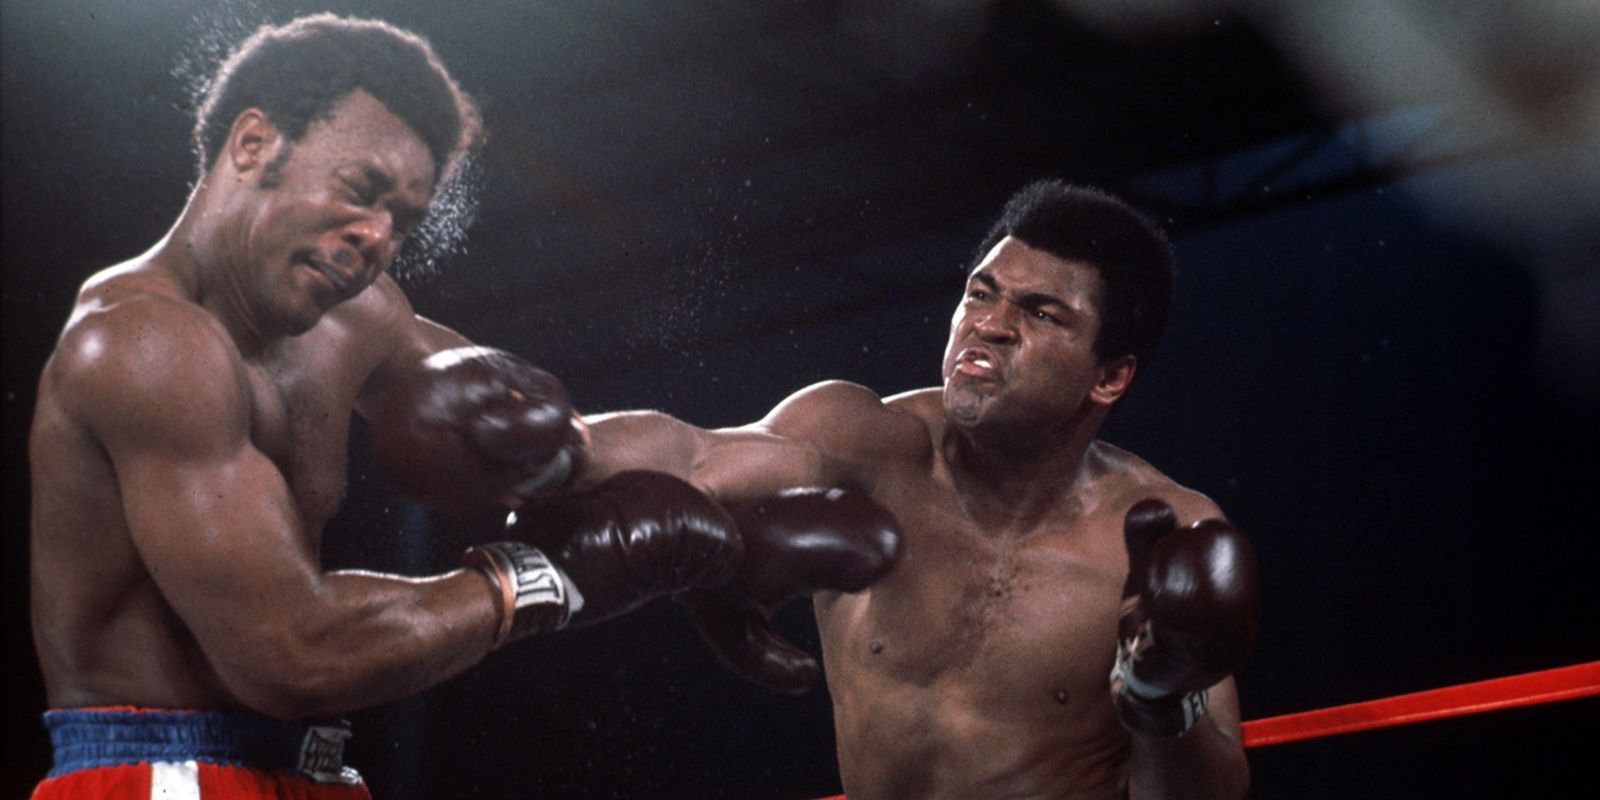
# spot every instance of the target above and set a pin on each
(97, 738)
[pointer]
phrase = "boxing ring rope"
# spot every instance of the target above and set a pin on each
(1526, 689)
(1529, 688)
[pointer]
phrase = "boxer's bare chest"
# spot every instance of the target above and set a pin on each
(1005, 618)
(303, 392)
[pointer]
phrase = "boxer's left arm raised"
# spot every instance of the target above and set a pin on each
(1188, 621)
(162, 389)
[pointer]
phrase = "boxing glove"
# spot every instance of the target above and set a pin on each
(472, 428)
(799, 542)
(584, 557)
(1188, 618)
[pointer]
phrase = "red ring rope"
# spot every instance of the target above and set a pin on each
(1529, 688)
(1544, 686)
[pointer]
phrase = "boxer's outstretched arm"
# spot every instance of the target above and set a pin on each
(168, 397)
(820, 436)
(797, 544)
(809, 439)
(729, 463)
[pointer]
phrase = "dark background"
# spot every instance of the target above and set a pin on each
(1382, 361)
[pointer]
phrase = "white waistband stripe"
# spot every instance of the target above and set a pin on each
(174, 780)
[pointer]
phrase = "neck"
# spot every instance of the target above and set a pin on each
(200, 252)
(1014, 483)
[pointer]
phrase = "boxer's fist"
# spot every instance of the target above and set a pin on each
(808, 540)
(472, 428)
(796, 543)
(741, 635)
(1188, 619)
(635, 536)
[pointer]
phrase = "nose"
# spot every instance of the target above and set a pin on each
(372, 236)
(997, 324)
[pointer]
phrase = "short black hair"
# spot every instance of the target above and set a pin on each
(1132, 255)
(297, 72)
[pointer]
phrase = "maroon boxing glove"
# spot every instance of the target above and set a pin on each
(474, 428)
(1188, 619)
(591, 555)
(797, 543)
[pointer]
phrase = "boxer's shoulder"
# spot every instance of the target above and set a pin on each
(134, 344)
(849, 418)
(357, 337)
(1126, 479)
(829, 402)
(137, 323)
(379, 315)
(382, 304)
(926, 404)
(132, 293)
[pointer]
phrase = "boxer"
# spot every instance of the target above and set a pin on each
(1064, 619)
(189, 442)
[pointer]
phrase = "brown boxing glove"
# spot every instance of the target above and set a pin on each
(588, 556)
(471, 429)
(799, 542)
(1188, 619)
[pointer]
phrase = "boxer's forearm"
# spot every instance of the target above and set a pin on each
(365, 639)
(650, 440)
(1203, 763)
(730, 463)
(1206, 762)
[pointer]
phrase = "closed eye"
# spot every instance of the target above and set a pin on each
(360, 193)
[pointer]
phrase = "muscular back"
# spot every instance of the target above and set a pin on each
(978, 667)
(134, 338)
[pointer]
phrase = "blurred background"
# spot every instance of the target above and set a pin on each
(1384, 361)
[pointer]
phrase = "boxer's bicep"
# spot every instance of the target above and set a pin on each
(223, 542)
(845, 429)
(406, 338)
(210, 515)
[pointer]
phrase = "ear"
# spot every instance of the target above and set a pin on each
(1115, 377)
(252, 142)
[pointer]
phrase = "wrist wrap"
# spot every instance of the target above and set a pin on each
(535, 595)
(1143, 709)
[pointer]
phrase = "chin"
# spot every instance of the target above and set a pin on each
(962, 405)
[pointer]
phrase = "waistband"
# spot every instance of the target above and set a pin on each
(86, 738)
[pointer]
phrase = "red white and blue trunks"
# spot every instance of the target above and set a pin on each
(127, 753)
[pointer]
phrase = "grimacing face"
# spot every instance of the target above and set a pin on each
(1021, 350)
(353, 186)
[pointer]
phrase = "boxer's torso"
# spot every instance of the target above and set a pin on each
(978, 667)
(104, 633)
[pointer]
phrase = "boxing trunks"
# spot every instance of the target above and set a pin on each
(128, 753)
